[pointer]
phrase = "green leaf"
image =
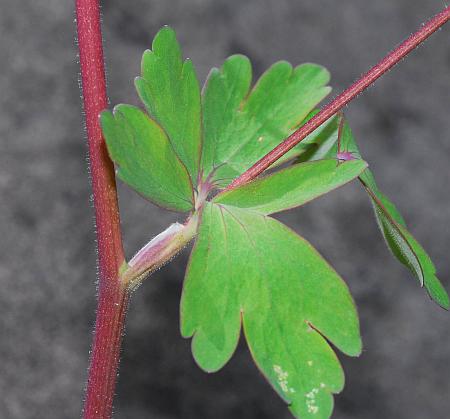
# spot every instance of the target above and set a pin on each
(293, 186)
(170, 91)
(145, 158)
(241, 126)
(251, 268)
(399, 240)
(223, 94)
(405, 247)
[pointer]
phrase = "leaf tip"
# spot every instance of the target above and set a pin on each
(323, 73)
(138, 80)
(165, 31)
(208, 356)
(122, 108)
(356, 350)
(437, 292)
(104, 117)
(166, 35)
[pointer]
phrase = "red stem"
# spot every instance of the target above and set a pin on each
(345, 97)
(112, 297)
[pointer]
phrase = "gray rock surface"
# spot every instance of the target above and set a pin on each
(47, 249)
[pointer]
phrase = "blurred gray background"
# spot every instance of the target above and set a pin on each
(47, 247)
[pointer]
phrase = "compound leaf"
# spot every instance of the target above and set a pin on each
(241, 126)
(145, 158)
(251, 268)
(170, 91)
(247, 270)
(293, 186)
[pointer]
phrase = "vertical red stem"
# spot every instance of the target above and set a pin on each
(112, 297)
(345, 97)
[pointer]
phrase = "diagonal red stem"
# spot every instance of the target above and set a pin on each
(345, 97)
(112, 297)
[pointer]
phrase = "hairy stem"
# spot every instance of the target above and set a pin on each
(345, 97)
(112, 295)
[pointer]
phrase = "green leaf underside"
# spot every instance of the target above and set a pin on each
(293, 186)
(399, 240)
(406, 248)
(241, 126)
(145, 158)
(315, 146)
(170, 91)
(248, 266)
